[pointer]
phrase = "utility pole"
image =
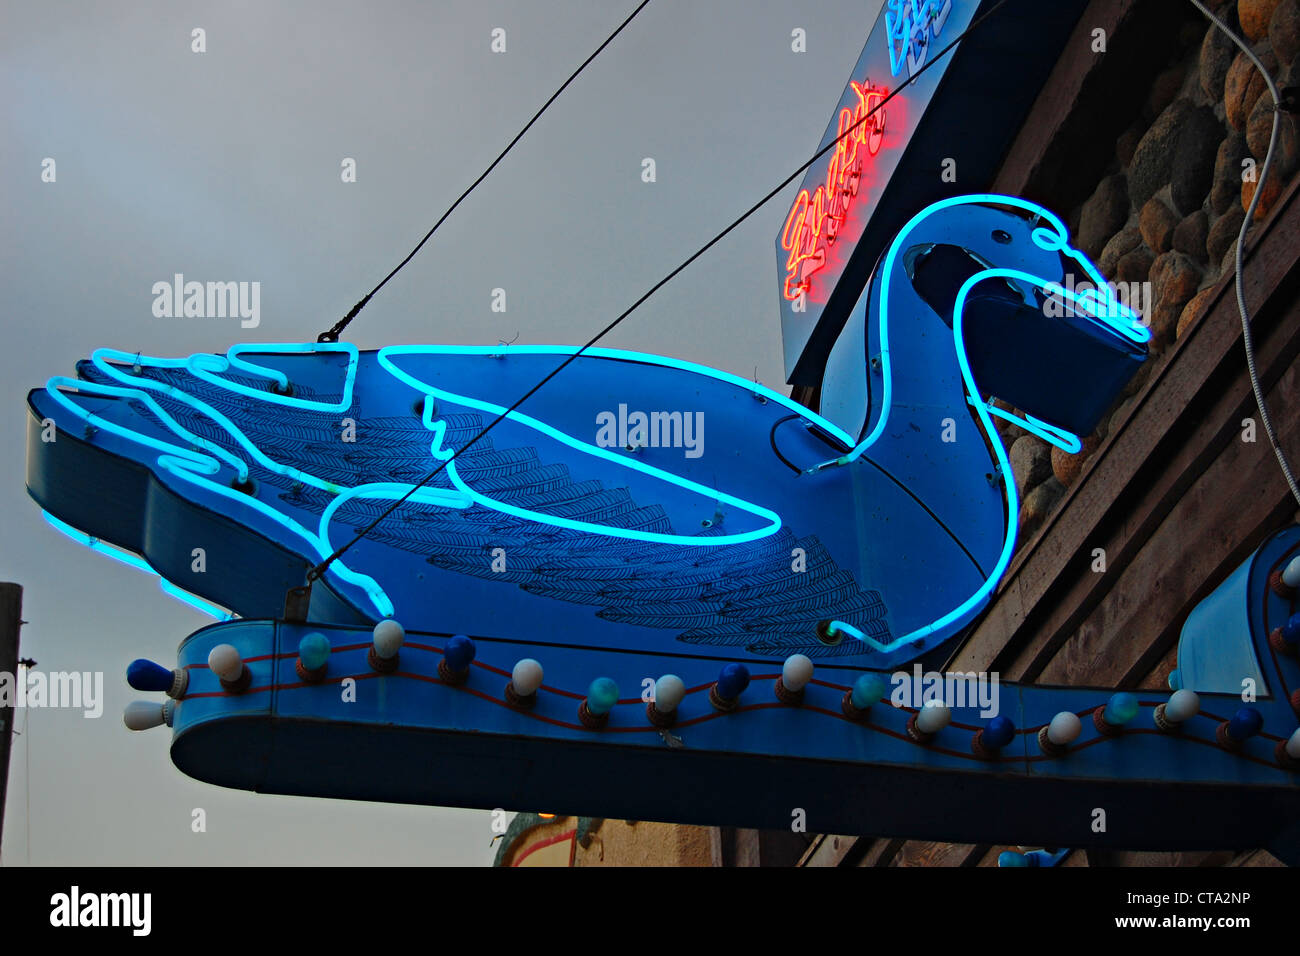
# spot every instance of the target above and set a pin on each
(11, 609)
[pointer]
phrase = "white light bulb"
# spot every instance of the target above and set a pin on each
(526, 677)
(1293, 746)
(1291, 576)
(1182, 705)
(224, 661)
(933, 717)
(669, 691)
(144, 714)
(796, 672)
(388, 638)
(1064, 729)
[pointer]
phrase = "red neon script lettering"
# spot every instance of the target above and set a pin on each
(815, 218)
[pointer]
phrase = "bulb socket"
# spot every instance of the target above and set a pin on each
(180, 684)
(1224, 740)
(791, 698)
(1276, 641)
(916, 733)
(449, 675)
(522, 702)
(981, 749)
(592, 721)
(1163, 723)
(1045, 744)
(309, 676)
(850, 711)
(240, 683)
(1279, 586)
(384, 665)
(1103, 728)
(658, 717)
(724, 704)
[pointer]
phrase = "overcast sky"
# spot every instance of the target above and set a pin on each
(225, 165)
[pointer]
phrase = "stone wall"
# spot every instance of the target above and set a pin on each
(1168, 209)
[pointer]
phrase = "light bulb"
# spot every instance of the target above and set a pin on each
(933, 717)
(601, 696)
(144, 714)
(998, 732)
(669, 691)
(732, 681)
(144, 674)
(1120, 709)
(1009, 858)
(1293, 746)
(796, 672)
(1182, 706)
(1245, 723)
(1291, 576)
(459, 652)
(388, 637)
(867, 691)
(526, 677)
(225, 662)
(314, 651)
(1064, 729)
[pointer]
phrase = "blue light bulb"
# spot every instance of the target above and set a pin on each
(601, 696)
(144, 674)
(1291, 629)
(1246, 722)
(867, 690)
(314, 651)
(1120, 709)
(1012, 858)
(998, 732)
(459, 652)
(732, 681)
(1175, 679)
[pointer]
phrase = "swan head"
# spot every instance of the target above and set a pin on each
(1033, 321)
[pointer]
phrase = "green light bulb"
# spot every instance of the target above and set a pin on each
(601, 696)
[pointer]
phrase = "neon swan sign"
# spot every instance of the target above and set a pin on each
(857, 537)
(259, 435)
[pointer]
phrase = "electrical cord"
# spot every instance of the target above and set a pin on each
(1247, 338)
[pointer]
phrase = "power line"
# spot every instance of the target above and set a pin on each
(316, 572)
(332, 334)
